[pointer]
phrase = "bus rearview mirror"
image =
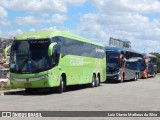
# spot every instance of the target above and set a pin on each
(5, 51)
(51, 49)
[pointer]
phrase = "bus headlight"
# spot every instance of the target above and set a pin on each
(46, 76)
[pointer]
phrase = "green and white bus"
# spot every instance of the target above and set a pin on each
(46, 59)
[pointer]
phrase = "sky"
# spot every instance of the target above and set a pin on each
(97, 20)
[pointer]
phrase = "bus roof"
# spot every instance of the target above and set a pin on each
(120, 49)
(113, 49)
(149, 55)
(51, 33)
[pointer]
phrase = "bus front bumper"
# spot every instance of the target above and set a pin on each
(44, 81)
(113, 77)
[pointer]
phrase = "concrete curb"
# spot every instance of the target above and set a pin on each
(3, 92)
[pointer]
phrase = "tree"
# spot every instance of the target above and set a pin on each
(127, 44)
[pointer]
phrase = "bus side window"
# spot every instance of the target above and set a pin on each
(107, 56)
(56, 54)
(127, 55)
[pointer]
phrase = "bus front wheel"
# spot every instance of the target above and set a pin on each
(62, 86)
(136, 77)
(122, 79)
(154, 74)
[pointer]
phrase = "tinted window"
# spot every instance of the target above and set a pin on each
(29, 56)
(79, 48)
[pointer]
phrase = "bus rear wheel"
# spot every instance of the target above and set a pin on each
(93, 84)
(62, 86)
(97, 81)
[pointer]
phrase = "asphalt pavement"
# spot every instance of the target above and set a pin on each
(141, 95)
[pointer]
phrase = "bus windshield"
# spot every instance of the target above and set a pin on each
(153, 60)
(29, 56)
(112, 62)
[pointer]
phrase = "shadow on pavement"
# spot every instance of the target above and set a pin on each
(47, 91)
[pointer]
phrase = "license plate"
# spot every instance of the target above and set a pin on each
(27, 84)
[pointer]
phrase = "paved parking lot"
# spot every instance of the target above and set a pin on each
(141, 95)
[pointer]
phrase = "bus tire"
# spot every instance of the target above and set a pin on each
(135, 77)
(154, 74)
(97, 81)
(62, 86)
(138, 77)
(147, 75)
(93, 83)
(122, 78)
